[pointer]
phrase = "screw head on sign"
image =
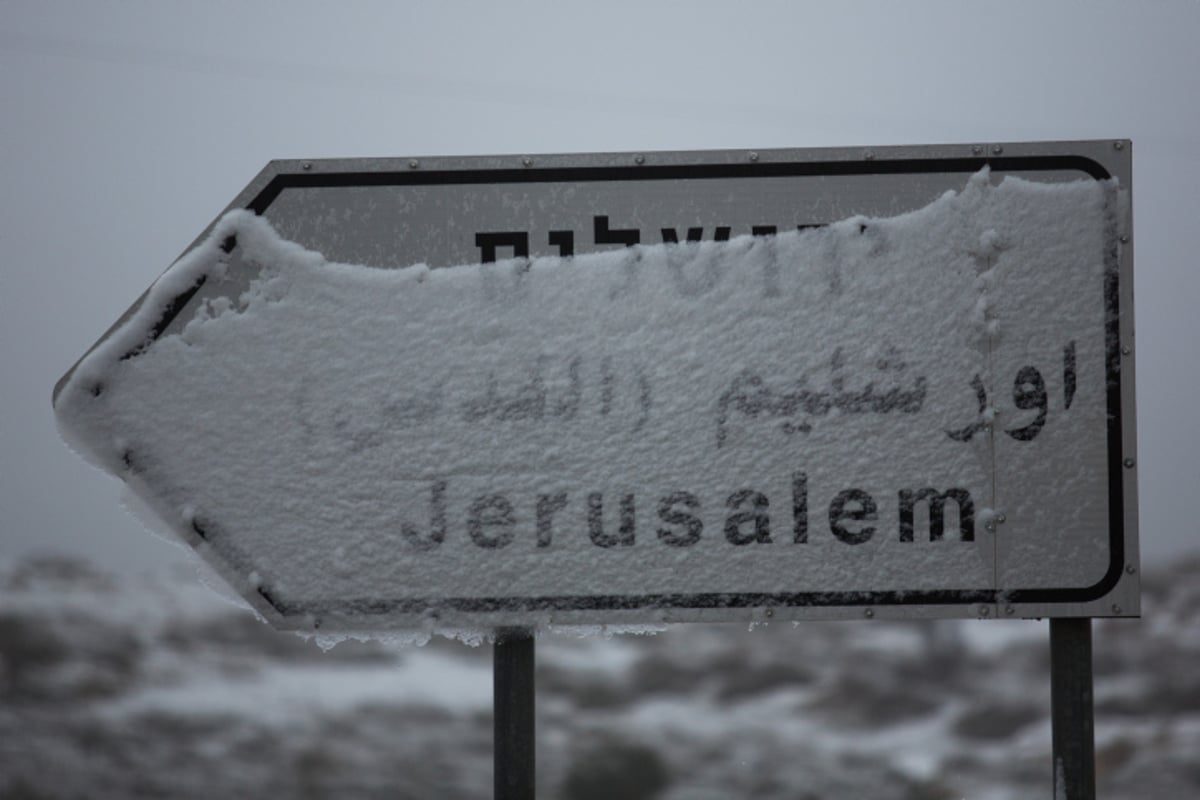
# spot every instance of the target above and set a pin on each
(770, 612)
(413, 163)
(1126, 350)
(869, 155)
(526, 162)
(1118, 145)
(977, 149)
(997, 149)
(639, 159)
(1116, 609)
(1130, 569)
(869, 613)
(307, 165)
(1129, 462)
(1000, 518)
(984, 611)
(754, 156)
(1009, 610)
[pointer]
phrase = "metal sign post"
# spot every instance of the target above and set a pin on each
(513, 706)
(1071, 708)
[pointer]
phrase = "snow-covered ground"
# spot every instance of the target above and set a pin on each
(159, 688)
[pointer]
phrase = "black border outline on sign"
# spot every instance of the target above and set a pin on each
(1049, 163)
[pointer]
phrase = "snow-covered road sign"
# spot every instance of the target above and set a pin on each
(692, 386)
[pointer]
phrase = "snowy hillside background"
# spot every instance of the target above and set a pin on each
(157, 687)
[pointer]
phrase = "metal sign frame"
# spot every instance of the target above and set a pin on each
(1115, 594)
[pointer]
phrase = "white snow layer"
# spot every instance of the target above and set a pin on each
(723, 418)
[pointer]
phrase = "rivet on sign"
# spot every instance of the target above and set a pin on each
(987, 428)
(1129, 462)
(307, 165)
(639, 159)
(413, 163)
(990, 525)
(1126, 350)
(1009, 610)
(869, 156)
(1130, 569)
(770, 612)
(977, 149)
(997, 149)
(754, 156)
(868, 613)
(1116, 609)
(1000, 518)
(526, 162)
(1118, 145)
(1124, 238)
(983, 611)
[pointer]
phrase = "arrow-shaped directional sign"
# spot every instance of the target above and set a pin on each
(690, 386)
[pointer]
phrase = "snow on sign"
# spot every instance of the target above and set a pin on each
(630, 389)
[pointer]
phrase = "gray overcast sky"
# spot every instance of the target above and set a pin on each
(128, 126)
